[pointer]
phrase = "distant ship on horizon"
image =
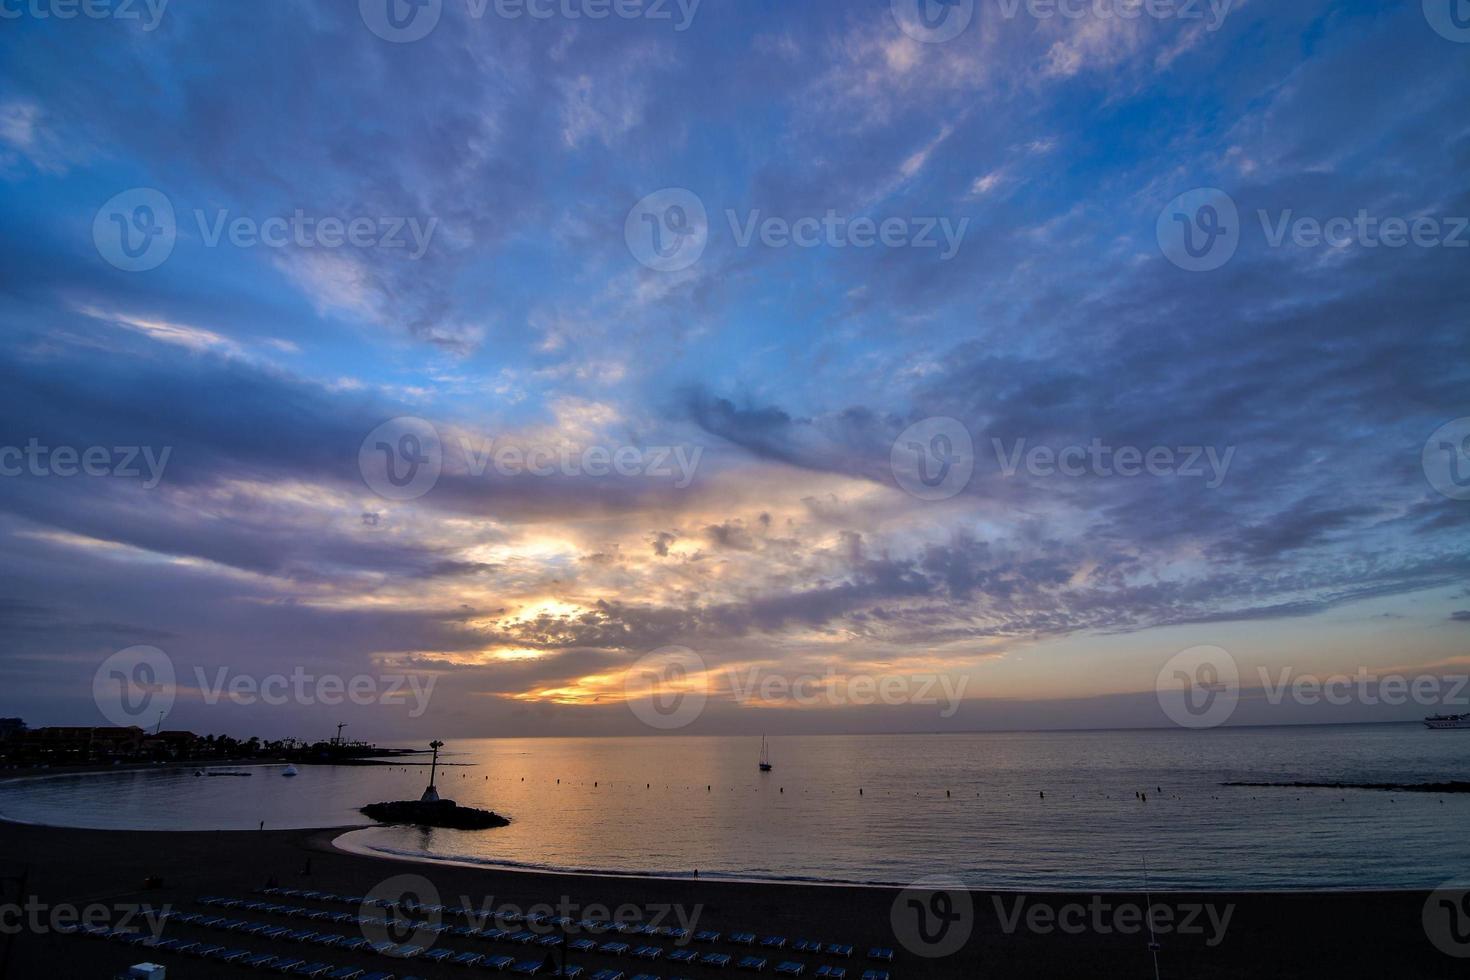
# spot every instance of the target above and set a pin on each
(765, 756)
(1447, 721)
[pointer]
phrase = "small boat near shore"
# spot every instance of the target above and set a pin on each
(290, 771)
(765, 756)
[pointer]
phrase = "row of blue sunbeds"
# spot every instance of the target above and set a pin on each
(269, 962)
(689, 957)
(808, 946)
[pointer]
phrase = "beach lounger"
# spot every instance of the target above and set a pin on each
(437, 955)
(743, 938)
(838, 949)
(383, 948)
(208, 950)
(646, 976)
(706, 936)
(676, 933)
(683, 956)
(774, 942)
(832, 972)
(312, 970)
(378, 976)
(790, 968)
(467, 959)
(464, 931)
(606, 975)
(717, 960)
(613, 949)
(300, 936)
(184, 946)
(260, 961)
(287, 964)
(522, 938)
(807, 946)
(231, 955)
(354, 944)
(875, 975)
(493, 934)
(881, 953)
(527, 968)
(752, 964)
(572, 971)
(550, 942)
(345, 973)
(406, 951)
(582, 945)
(327, 939)
(648, 953)
(275, 932)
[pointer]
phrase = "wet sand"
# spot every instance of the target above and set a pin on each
(1011, 934)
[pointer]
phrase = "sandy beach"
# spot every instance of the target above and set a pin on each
(1340, 934)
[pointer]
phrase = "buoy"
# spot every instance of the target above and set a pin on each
(946, 794)
(1043, 794)
(860, 791)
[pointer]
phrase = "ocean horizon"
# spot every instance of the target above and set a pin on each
(1059, 810)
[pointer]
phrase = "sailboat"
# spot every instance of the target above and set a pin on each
(765, 755)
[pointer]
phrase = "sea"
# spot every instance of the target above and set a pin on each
(1023, 810)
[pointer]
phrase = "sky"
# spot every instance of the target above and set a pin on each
(837, 335)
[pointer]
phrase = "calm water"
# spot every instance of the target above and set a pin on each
(641, 805)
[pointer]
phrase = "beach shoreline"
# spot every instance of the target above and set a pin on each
(1279, 934)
